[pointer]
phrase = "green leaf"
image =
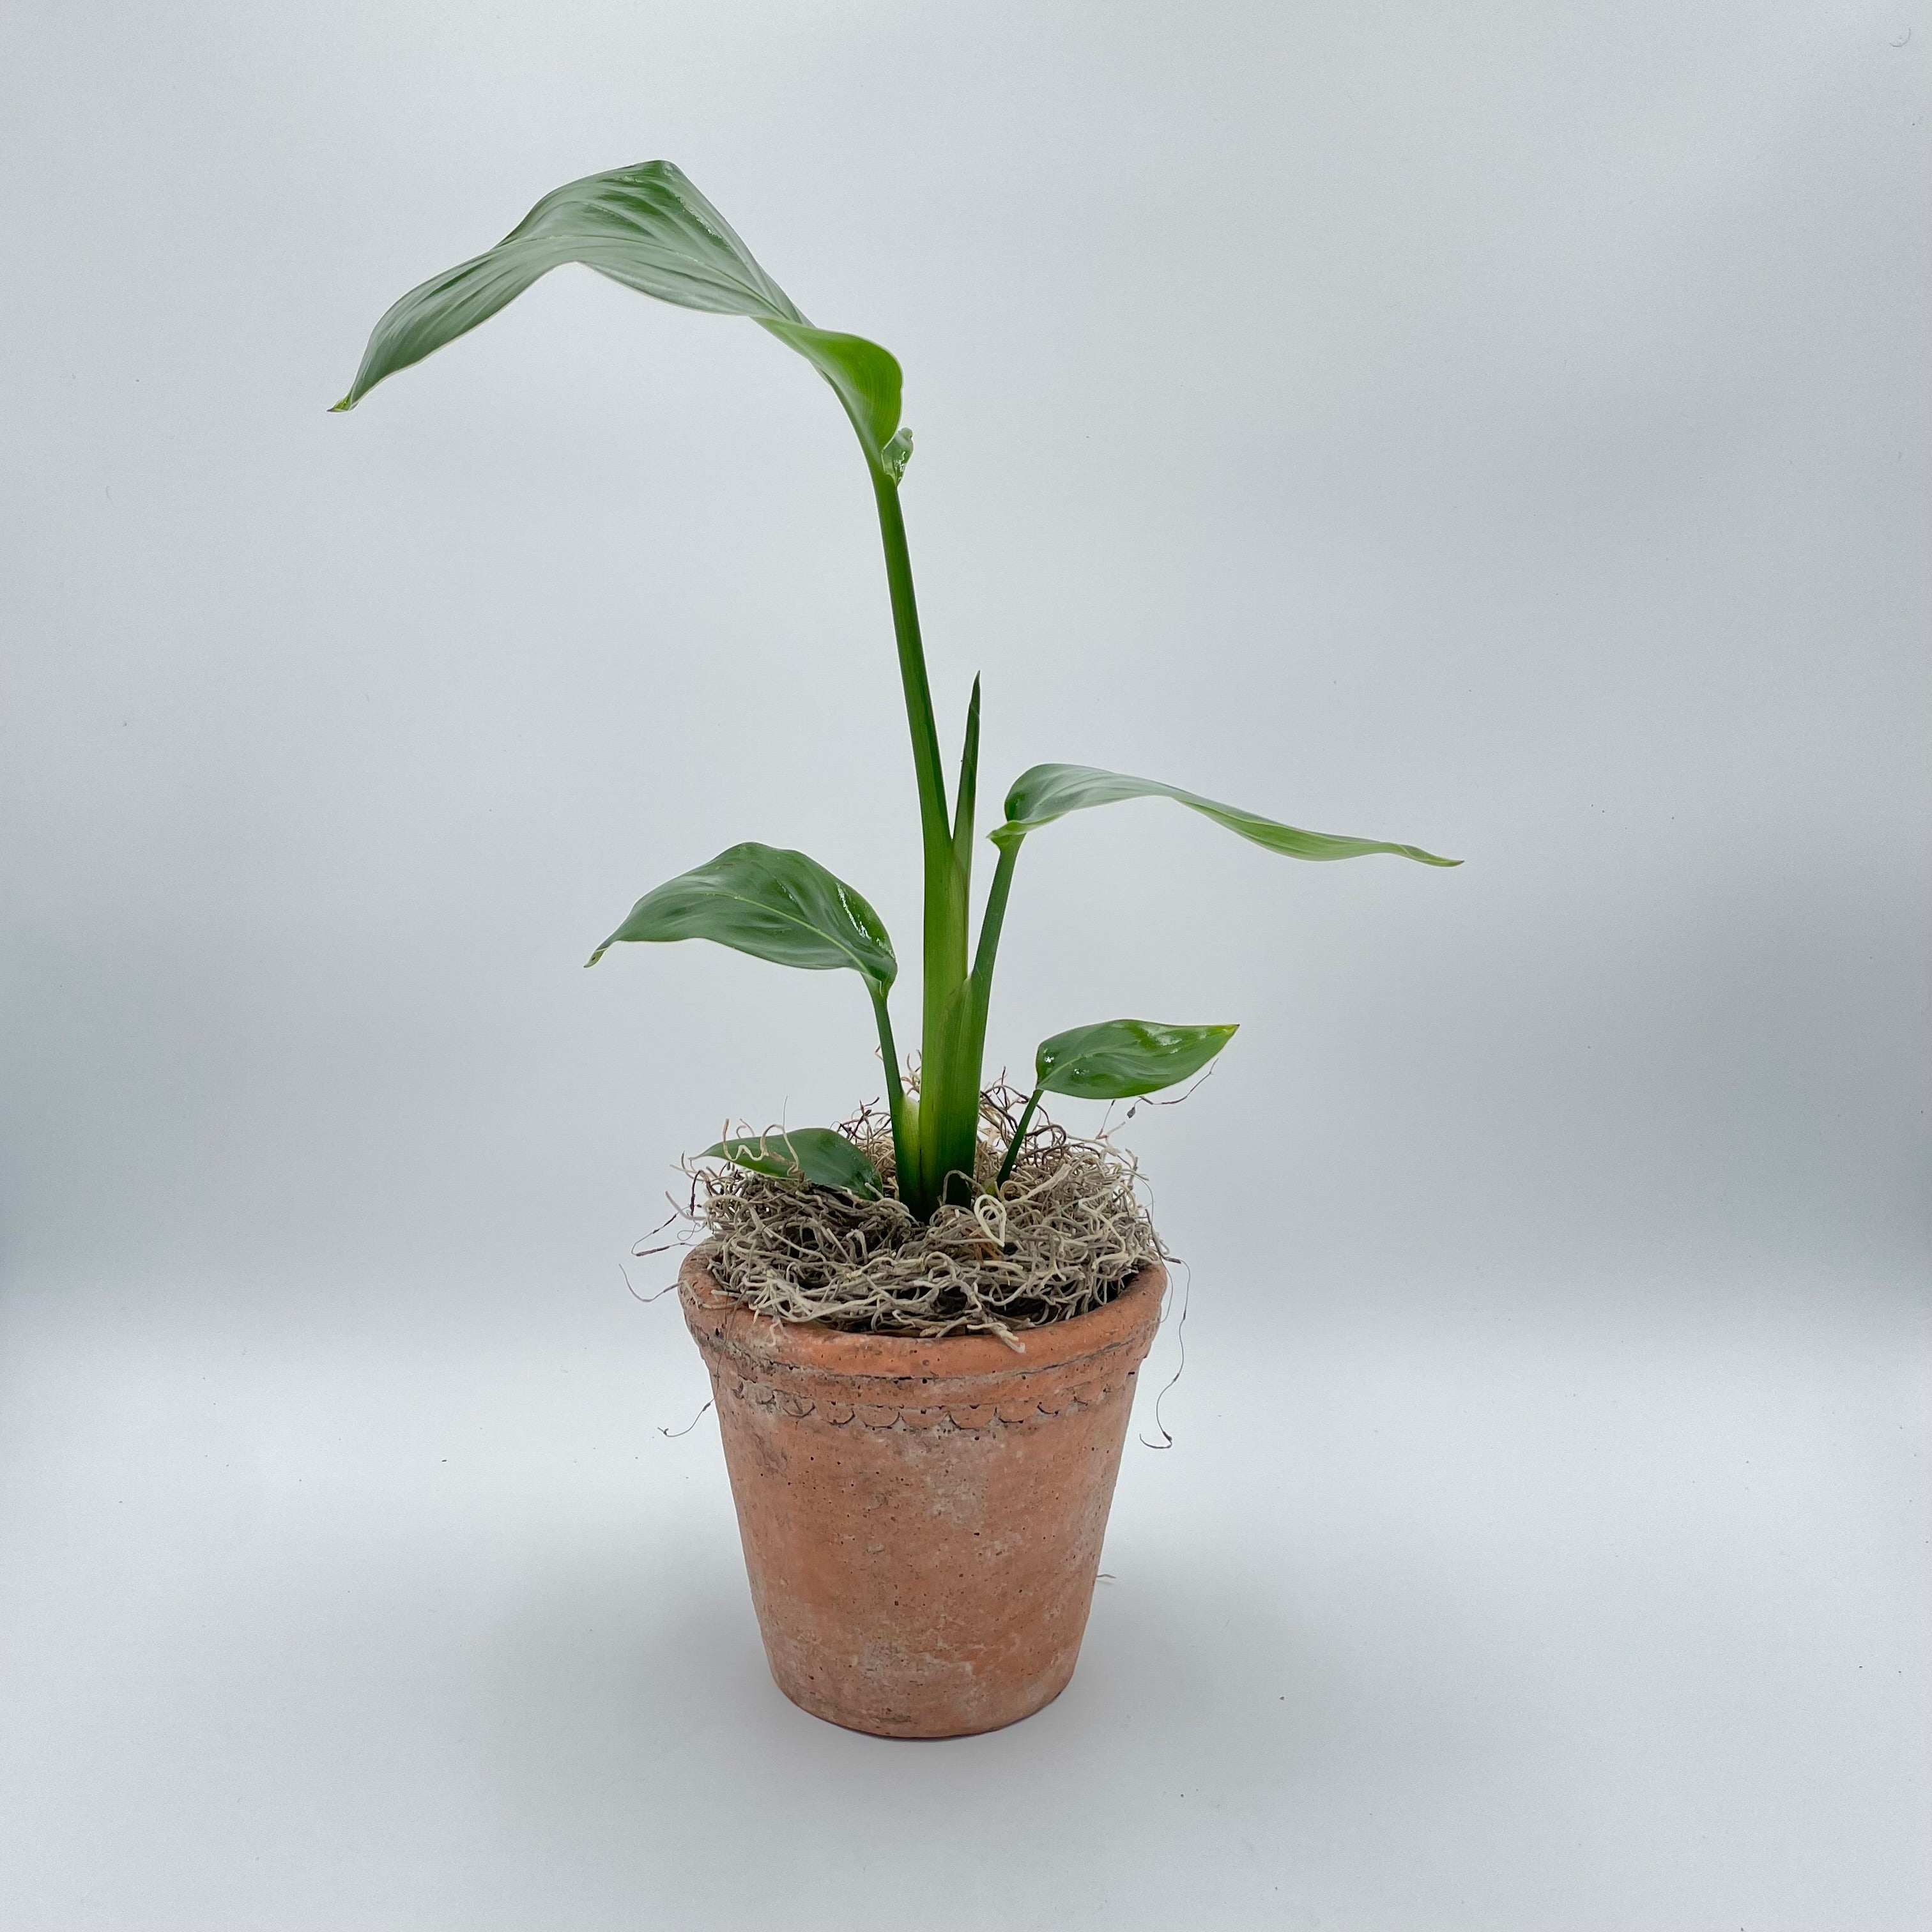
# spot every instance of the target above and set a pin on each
(647, 227)
(774, 904)
(817, 1154)
(1118, 1059)
(868, 380)
(1048, 792)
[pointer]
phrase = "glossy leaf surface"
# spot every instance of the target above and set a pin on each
(816, 1154)
(648, 228)
(1048, 792)
(868, 381)
(773, 903)
(1116, 1060)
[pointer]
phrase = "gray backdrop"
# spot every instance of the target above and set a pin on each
(1485, 426)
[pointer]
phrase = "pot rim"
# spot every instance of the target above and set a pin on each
(730, 1325)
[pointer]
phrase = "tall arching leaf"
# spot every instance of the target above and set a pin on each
(1048, 792)
(647, 227)
(773, 903)
(869, 382)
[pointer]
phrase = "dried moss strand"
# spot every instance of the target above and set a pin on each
(1063, 1235)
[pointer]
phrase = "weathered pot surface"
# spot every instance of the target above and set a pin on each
(922, 1520)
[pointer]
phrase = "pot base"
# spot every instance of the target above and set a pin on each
(838, 1714)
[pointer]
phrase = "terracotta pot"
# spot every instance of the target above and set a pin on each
(922, 1520)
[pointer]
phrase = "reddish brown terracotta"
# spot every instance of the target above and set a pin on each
(922, 1520)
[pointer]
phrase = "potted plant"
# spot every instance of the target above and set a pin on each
(923, 1330)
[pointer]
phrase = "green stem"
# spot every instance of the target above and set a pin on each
(1019, 1135)
(991, 922)
(932, 813)
(902, 1151)
(972, 1049)
(951, 1062)
(945, 885)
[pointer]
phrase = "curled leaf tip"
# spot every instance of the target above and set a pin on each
(336, 409)
(897, 453)
(594, 957)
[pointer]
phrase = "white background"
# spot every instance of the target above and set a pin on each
(1494, 426)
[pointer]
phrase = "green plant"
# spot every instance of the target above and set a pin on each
(648, 228)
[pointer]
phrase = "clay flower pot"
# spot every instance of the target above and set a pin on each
(922, 1520)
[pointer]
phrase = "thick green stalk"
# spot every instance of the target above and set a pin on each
(955, 1069)
(945, 887)
(937, 833)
